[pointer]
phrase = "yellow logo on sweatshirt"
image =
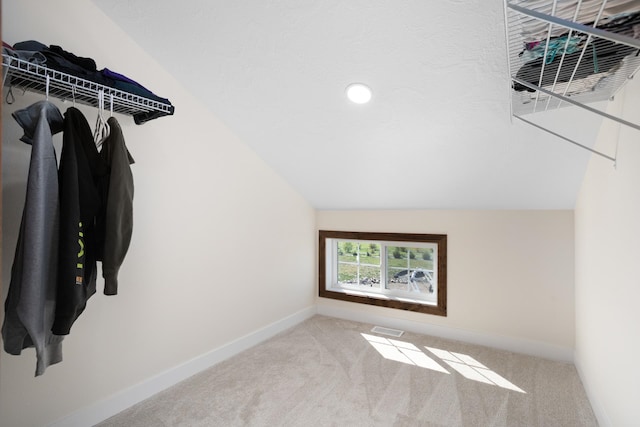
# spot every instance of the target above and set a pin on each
(80, 263)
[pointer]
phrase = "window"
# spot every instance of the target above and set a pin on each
(396, 270)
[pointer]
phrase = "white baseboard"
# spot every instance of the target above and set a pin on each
(120, 401)
(596, 405)
(516, 345)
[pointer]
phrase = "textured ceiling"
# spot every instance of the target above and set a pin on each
(437, 133)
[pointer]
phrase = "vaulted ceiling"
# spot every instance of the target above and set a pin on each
(437, 133)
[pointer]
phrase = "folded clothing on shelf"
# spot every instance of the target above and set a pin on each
(56, 58)
(600, 56)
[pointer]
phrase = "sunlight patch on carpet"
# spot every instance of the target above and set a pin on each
(471, 369)
(403, 352)
(465, 365)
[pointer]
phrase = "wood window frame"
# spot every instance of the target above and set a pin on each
(324, 291)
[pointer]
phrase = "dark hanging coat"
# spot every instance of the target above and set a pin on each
(80, 173)
(115, 224)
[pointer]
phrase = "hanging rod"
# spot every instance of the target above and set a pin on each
(36, 78)
(613, 159)
(571, 101)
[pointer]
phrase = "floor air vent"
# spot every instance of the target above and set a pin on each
(387, 331)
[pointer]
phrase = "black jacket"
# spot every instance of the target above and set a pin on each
(80, 173)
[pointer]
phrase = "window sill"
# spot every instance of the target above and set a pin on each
(380, 300)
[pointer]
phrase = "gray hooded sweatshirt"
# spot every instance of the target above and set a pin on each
(30, 304)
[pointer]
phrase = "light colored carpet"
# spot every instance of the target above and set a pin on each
(332, 372)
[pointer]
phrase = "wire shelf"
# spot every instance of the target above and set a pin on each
(570, 53)
(583, 60)
(40, 79)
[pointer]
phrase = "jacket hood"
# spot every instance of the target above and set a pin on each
(28, 119)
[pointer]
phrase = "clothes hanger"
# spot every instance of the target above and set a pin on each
(10, 97)
(102, 130)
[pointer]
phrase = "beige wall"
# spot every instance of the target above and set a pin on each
(510, 273)
(213, 225)
(202, 198)
(607, 276)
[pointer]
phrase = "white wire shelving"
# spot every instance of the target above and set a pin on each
(570, 53)
(28, 76)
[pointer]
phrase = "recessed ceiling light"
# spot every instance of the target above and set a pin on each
(359, 93)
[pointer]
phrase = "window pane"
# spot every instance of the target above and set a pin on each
(410, 269)
(369, 276)
(347, 273)
(421, 258)
(370, 254)
(358, 263)
(396, 268)
(348, 250)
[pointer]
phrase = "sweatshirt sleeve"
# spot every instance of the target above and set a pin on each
(119, 210)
